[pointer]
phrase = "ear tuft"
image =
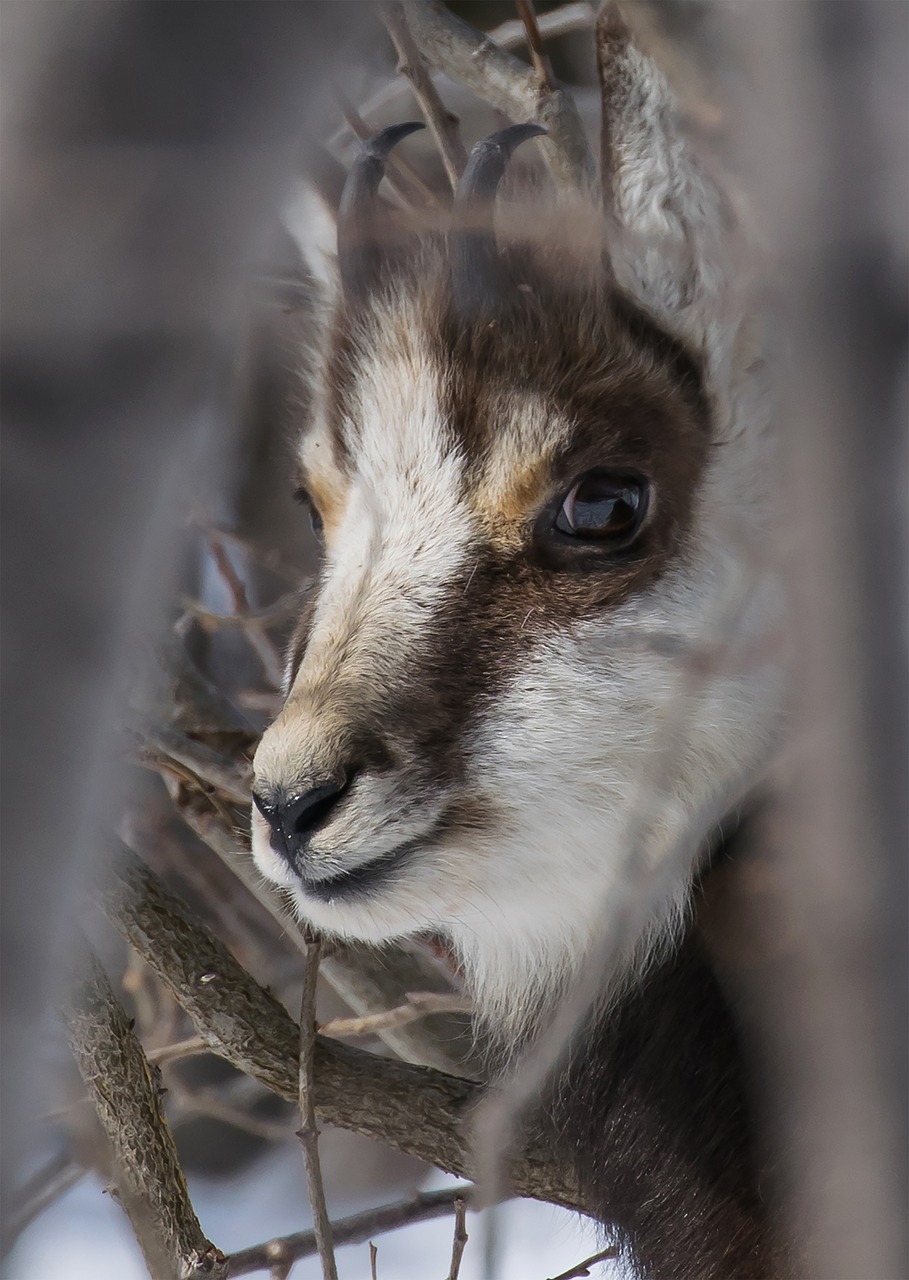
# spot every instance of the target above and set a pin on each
(673, 234)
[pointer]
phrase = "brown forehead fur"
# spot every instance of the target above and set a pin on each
(633, 397)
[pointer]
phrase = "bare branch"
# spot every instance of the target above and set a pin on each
(308, 1132)
(583, 1268)
(460, 1239)
(356, 1229)
(508, 85)
(558, 22)
(414, 1109)
(125, 1092)
(420, 1004)
(443, 124)
(538, 54)
(51, 1182)
(231, 777)
(267, 653)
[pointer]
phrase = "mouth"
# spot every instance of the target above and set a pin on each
(362, 880)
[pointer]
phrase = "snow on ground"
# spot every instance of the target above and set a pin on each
(85, 1236)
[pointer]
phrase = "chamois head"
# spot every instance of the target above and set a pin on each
(535, 460)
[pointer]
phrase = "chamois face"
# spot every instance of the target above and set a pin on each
(479, 683)
(539, 525)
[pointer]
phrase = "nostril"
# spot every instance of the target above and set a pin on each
(301, 816)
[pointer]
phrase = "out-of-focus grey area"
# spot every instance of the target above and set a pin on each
(151, 309)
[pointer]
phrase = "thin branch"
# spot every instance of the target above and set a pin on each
(233, 778)
(51, 1182)
(124, 1089)
(189, 1048)
(558, 22)
(414, 1109)
(583, 1268)
(308, 1132)
(286, 606)
(508, 85)
(356, 1229)
(268, 655)
(420, 1004)
(538, 54)
(459, 1242)
(509, 35)
(443, 124)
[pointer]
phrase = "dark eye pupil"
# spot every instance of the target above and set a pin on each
(600, 507)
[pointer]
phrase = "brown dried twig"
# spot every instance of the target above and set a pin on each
(583, 1268)
(356, 1229)
(459, 1242)
(267, 653)
(420, 1004)
(443, 124)
(308, 1132)
(538, 54)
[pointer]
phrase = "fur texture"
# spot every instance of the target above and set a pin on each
(507, 710)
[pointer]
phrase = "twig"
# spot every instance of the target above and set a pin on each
(231, 777)
(460, 1239)
(51, 1182)
(414, 1109)
(538, 54)
(509, 35)
(443, 124)
(205, 1104)
(258, 641)
(356, 1229)
(188, 1048)
(558, 22)
(308, 1132)
(124, 1089)
(420, 1004)
(583, 1268)
(508, 85)
(286, 606)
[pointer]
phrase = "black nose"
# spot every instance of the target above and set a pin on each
(294, 818)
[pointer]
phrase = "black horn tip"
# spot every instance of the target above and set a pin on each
(381, 144)
(359, 250)
(506, 140)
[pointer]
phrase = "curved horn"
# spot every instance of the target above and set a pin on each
(472, 243)
(358, 250)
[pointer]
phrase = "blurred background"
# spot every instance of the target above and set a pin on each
(154, 311)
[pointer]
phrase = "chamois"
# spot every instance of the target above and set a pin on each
(537, 459)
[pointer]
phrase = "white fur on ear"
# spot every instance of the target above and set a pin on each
(311, 223)
(673, 232)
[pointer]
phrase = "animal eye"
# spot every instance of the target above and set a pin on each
(304, 497)
(604, 507)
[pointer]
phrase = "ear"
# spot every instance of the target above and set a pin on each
(674, 240)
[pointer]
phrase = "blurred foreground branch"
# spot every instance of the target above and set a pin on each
(127, 1097)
